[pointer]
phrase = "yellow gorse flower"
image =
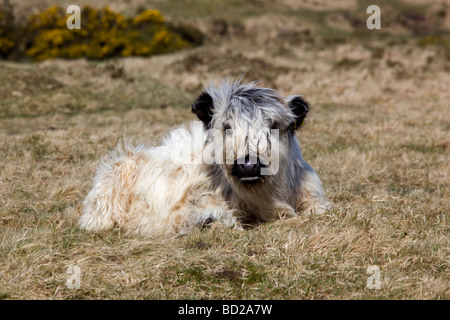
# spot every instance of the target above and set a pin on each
(149, 16)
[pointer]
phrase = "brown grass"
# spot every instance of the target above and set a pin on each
(378, 135)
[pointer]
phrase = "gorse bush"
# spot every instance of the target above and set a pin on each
(103, 34)
(7, 43)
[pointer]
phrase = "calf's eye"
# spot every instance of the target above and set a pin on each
(274, 125)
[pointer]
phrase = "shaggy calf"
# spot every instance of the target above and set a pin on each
(241, 162)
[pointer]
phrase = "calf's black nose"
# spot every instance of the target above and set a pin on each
(244, 168)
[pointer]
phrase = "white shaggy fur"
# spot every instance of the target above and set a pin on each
(145, 189)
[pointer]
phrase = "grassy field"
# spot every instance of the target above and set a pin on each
(378, 135)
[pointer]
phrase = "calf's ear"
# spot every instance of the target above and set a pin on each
(202, 108)
(299, 108)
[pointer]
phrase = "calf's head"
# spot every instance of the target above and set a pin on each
(253, 128)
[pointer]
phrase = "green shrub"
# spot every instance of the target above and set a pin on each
(103, 34)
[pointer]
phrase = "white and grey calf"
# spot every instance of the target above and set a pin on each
(240, 163)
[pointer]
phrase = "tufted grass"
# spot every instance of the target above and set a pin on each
(377, 134)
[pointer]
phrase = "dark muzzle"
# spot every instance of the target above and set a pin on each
(248, 169)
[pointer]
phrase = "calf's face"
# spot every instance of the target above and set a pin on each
(252, 125)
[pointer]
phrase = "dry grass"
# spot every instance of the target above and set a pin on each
(378, 135)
